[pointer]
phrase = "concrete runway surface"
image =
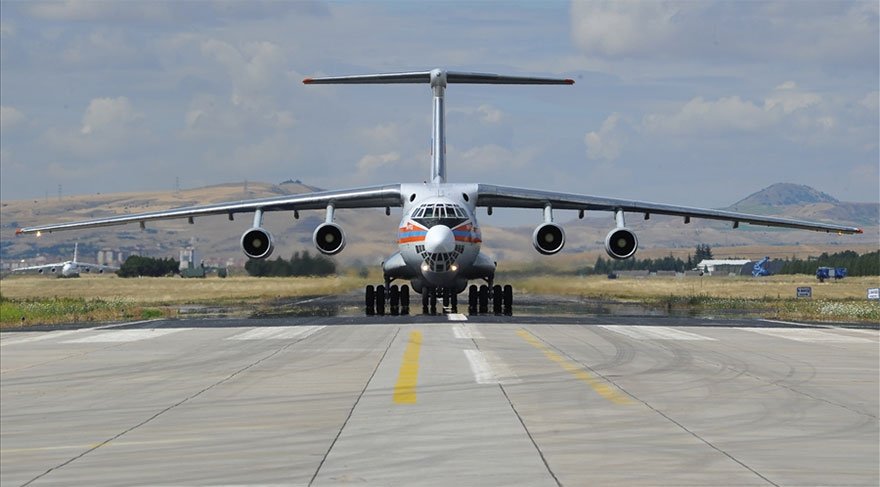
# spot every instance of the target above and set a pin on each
(441, 400)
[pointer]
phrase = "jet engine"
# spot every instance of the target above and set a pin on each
(329, 238)
(257, 243)
(548, 238)
(621, 243)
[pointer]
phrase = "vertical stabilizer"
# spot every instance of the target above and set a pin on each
(438, 79)
(75, 251)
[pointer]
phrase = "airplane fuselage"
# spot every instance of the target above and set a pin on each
(439, 238)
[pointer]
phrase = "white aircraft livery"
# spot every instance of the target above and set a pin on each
(439, 237)
(70, 268)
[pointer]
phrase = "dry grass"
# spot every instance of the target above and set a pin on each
(173, 290)
(772, 287)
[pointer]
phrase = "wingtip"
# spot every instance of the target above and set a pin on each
(569, 81)
(18, 231)
(307, 81)
(859, 230)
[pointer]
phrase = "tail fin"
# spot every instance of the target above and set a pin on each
(75, 250)
(438, 78)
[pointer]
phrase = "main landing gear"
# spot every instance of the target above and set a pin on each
(501, 298)
(397, 299)
(394, 300)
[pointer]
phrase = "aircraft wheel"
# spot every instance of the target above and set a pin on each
(453, 301)
(497, 297)
(370, 300)
(394, 300)
(508, 300)
(404, 299)
(426, 298)
(380, 300)
(484, 299)
(433, 301)
(446, 294)
(472, 300)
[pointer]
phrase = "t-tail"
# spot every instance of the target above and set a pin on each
(75, 251)
(438, 79)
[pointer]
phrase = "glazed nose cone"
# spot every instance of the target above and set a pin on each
(439, 239)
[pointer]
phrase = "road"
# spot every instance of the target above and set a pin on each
(447, 400)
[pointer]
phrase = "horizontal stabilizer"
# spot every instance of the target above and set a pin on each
(449, 76)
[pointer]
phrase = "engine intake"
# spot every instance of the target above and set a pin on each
(548, 238)
(621, 243)
(257, 243)
(329, 238)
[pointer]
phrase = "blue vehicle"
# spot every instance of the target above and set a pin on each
(759, 270)
(823, 273)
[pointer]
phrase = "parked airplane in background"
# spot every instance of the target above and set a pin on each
(70, 268)
(438, 237)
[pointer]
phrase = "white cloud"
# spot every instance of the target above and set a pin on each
(871, 101)
(10, 117)
(688, 31)
(94, 10)
(733, 114)
(101, 48)
(108, 116)
(605, 143)
(490, 114)
(7, 30)
(370, 162)
(381, 135)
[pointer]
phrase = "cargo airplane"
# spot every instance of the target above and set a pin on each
(438, 236)
(69, 268)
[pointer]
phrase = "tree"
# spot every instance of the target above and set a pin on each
(703, 252)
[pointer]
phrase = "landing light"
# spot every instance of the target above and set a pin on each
(425, 267)
(39, 234)
(453, 267)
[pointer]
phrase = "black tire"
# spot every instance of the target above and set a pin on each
(453, 301)
(497, 299)
(472, 300)
(484, 299)
(433, 297)
(508, 300)
(446, 294)
(426, 298)
(404, 299)
(380, 300)
(370, 300)
(394, 299)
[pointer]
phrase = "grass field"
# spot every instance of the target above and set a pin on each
(107, 298)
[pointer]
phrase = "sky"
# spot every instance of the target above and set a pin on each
(694, 103)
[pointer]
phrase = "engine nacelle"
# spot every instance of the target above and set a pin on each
(621, 243)
(548, 238)
(329, 238)
(257, 243)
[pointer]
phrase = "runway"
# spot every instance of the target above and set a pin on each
(445, 400)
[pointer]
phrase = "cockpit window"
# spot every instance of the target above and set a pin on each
(430, 214)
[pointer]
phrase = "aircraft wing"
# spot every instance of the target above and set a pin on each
(57, 265)
(508, 197)
(366, 197)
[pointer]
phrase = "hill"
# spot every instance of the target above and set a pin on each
(371, 235)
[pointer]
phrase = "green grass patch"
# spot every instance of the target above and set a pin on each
(23, 312)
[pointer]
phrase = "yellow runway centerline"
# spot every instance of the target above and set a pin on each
(405, 389)
(603, 388)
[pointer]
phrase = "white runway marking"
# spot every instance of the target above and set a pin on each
(122, 336)
(466, 332)
(456, 317)
(654, 333)
(37, 336)
(807, 335)
(276, 333)
(488, 368)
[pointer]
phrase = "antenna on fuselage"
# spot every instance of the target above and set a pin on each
(438, 78)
